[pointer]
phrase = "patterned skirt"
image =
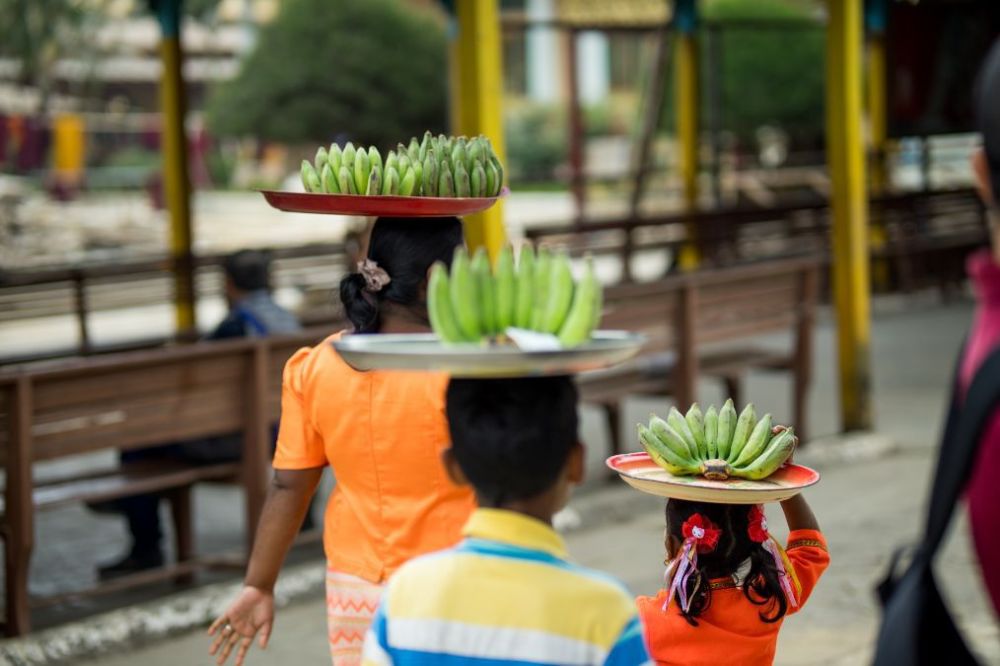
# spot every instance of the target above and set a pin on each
(350, 607)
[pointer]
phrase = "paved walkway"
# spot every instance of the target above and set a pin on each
(865, 508)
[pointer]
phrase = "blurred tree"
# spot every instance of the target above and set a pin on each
(373, 70)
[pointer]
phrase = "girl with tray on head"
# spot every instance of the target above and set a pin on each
(382, 433)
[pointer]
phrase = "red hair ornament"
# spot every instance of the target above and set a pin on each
(701, 535)
(757, 531)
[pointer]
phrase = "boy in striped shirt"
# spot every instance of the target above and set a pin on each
(507, 593)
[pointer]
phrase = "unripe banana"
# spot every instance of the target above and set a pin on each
(391, 160)
(477, 180)
(525, 300)
(310, 179)
(330, 185)
(425, 145)
(439, 308)
(727, 424)
(492, 180)
(403, 162)
(347, 157)
(560, 294)
(506, 289)
(463, 188)
(543, 281)
(677, 421)
(346, 181)
(458, 155)
(390, 181)
(362, 169)
(476, 152)
(712, 431)
(321, 158)
(374, 157)
(446, 184)
(429, 177)
(578, 326)
(673, 440)
(408, 182)
(334, 157)
(487, 291)
(696, 422)
(374, 181)
(774, 456)
(465, 296)
(418, 174)
(663, 456)
(744, 425)
(413, 150)
(759, 438)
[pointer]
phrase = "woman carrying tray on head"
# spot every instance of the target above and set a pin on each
(381, 432)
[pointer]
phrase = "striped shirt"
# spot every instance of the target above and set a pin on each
(505, 595)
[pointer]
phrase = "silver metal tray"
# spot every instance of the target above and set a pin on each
(424, 352)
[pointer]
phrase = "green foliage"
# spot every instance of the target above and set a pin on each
(536, 141)
(374, 70)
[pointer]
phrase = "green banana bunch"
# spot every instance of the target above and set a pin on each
(484, 301)
(694, 443)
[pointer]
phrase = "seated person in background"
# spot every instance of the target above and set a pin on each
(507, 594)
(252, 313)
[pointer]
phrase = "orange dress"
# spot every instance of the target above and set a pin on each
(382, 433)
(730, 631)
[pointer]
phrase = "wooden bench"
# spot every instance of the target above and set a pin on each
(132, 401)
(699, 323)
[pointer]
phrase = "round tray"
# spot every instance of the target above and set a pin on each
(640, 472)
(425, 352)
(376, 205)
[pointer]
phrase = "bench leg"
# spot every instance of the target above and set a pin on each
(800, 406)
(18, 560)
(180, 512)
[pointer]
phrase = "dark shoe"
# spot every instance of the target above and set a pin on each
(130, 564)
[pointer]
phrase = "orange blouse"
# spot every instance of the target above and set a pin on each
(382, 432)
(730, 631)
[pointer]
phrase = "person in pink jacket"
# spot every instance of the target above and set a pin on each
(983, 492)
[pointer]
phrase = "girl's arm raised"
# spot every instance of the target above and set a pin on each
(798, 515)
(251, 614)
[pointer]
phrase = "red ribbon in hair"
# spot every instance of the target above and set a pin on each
(701, 535)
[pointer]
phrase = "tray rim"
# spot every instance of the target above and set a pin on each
(355, 205)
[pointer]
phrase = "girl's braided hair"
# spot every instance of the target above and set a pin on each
(761, 585)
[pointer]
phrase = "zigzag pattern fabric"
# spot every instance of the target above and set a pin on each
(350, 607)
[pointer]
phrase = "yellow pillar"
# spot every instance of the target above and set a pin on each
(846, 159)
(877, 125)
(68, 148)
(175, 166)
(478, 102)
(687, 105)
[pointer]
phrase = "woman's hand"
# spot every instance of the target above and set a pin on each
(250, 615)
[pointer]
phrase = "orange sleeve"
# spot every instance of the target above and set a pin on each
(806, 550)
(299, 444)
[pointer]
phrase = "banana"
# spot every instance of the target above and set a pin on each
(330, 185)
(525, 299)
(463, 188)
(408, 182)
(477, 180)
(347, 155)
(672, 439)
(310, 179)
(334, 157)
(442, 315)
(475, 153)
(696, 422)
(759, 438)
(458, 155)
(362, 169)
(418, 174)
(465, 295)
(492, 178)
(321, 158)
(744, 424)
(560, 294)
(712, 431)
(774, 456)
(425, 145)
(543, 280)
(578, 326)
(429, 175)
(413, 150)
(374, 180)
(506, 289)
(346, 181)
(663, 456)
(390, 180)
(374, 157)
(391, 160)
(483, 275)
(403, 162)
(446, 184)
(727, 424)
(679, 423)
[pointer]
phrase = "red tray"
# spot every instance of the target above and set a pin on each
(376, 205)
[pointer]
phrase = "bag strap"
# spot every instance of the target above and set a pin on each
(958, 451)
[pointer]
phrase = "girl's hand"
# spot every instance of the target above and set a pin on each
(252, 613)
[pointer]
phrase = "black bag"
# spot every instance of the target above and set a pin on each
(917, 628)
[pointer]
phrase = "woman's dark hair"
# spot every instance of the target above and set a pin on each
(248, 270)
(512, 437)
(761, 585)
(405, 248)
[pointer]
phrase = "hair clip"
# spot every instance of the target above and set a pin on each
(375, 277)
(701, 535)
(757, 531)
